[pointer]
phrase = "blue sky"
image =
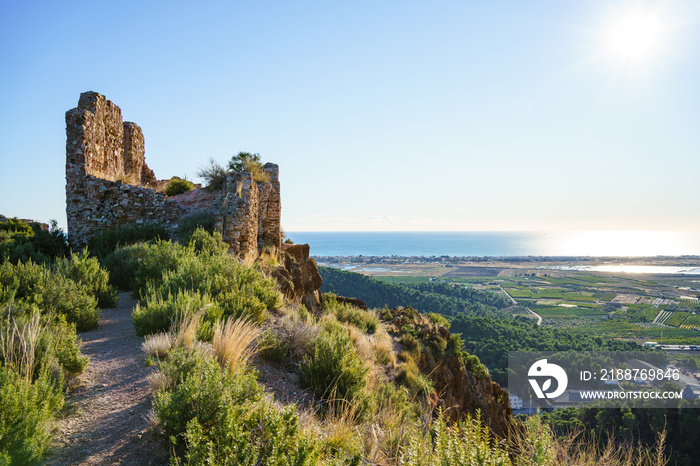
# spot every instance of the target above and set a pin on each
(391, 115)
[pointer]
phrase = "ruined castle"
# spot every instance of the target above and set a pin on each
(109, 184)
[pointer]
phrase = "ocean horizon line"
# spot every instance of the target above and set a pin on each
(575, 243)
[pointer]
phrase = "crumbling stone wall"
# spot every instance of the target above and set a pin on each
(236, 213)
(269, 212)
(102, 153)
(109, 184)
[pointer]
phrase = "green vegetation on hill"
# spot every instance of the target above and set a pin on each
(491, 339)
(441, 298)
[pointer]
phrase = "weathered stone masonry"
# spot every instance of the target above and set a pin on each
(109, 184)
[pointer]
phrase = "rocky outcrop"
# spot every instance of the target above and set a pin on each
(460, 382)
(298, 277)
(108, 184)
(352, 301)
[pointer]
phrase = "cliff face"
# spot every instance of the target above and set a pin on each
(461, 384)
(298, 277)
(108, 184)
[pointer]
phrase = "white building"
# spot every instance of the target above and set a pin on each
(515, 402)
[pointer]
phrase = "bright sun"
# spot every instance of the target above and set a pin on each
(634, 36)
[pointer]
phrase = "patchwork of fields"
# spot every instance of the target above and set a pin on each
(639, 307)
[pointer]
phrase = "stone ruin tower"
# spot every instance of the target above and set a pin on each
(109, 184)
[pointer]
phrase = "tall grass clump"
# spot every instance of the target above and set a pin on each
(536, 444)
(30, 343)
(234, 342)
(213, 174)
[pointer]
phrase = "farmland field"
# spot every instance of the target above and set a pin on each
(614, 305)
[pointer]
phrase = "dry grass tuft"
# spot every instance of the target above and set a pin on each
(249, 260)
(182, 333)
(158, 345)
(574, 449)
(18, 346)
(537, 444)
(300, 336)
(384, 351)
(185, 329)
(235, 342)
(270, 258)
(128, 178)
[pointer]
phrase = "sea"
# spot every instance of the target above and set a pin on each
(598, 243)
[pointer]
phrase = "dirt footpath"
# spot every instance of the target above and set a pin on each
(106, 420)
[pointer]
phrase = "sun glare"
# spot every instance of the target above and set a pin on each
(636, 37)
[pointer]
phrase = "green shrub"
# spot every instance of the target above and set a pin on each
(410, 343)
(272, 347)
(192, 222)
(15, 225)
(15, 247)
(216, 417)
(31, 284)
(386, 315)
(439, 319)
(366, 321)
(178, 186)
(157, 312)
(204, 242)
(107, 241)
(238, 290)
(26, 412)
(473, 364)
(158, 259)
(123, 263)
(20, 242)
(334, 370)
(52, 243)
(86, 270)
